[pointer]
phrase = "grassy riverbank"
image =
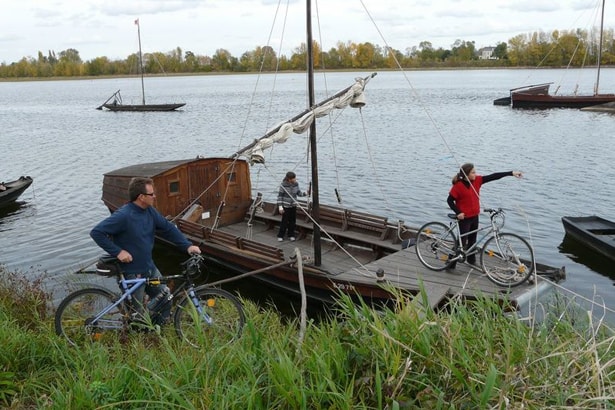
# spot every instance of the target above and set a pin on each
(474, 356)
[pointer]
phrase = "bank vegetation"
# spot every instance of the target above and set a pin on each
(574, 48)
(472, 356)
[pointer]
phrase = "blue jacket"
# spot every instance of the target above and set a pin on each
(132, 228)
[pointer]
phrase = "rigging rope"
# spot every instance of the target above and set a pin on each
(330, 128)
(323, 230)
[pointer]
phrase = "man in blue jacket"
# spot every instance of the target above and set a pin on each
(128, 234)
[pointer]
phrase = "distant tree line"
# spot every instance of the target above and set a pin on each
(556, 49)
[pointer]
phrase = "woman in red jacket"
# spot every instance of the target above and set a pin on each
(464, 200)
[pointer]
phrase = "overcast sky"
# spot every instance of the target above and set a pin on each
(106, 27)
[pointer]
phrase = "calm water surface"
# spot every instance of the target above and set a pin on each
(395, 157)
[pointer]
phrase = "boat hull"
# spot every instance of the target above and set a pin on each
(542, 101)
(143, 107)
(14, 189)
(594, 232)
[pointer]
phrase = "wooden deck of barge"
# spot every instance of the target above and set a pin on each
(400, 269)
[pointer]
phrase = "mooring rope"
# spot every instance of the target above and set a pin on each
(251, 273)
(303, 314)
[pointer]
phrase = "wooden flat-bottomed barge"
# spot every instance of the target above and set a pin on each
(361, 254)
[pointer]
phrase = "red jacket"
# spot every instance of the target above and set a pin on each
(467, 196)
(464, 197)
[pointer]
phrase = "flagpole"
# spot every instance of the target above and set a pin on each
(140, 61)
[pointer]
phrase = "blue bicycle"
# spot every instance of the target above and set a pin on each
(201, 314)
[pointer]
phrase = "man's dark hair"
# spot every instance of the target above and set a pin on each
(136, 187)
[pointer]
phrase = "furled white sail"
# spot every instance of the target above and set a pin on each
(352, 96)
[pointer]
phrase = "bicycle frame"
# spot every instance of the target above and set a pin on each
(199, 314)
(130, 286)
(491, 229)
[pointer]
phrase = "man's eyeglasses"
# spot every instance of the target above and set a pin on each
(145, 193)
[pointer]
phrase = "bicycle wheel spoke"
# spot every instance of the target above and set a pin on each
(220, 321)
(435, 245)
(75, 317)
(508, 260)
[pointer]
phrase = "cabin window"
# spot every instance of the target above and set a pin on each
(174, 187)
(231, 178)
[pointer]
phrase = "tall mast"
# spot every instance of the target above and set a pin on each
(315, 200)
(140, 61)
(597, 90)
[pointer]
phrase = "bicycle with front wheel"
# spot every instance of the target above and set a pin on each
(200, 314)
(506, 258)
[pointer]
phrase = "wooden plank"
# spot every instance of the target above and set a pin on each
(402, 267)
(433, 295)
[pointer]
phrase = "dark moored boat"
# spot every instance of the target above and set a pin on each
(593, 232)
(146, 107)
(528, 98)
(118, 105)
(530, 89)
(538, 96)
(13, 190)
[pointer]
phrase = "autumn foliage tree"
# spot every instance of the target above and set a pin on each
(556, 49)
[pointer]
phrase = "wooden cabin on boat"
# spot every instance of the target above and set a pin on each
(200, 189)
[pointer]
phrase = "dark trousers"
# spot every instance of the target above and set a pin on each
(163, 311)
(289, 219)
(465, 226)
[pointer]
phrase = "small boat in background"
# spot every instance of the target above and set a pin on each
(10, 191)
(118, 105)
(593, 232)
(529, 89)
(538, 96)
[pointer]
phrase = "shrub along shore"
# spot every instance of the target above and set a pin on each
(472, 356)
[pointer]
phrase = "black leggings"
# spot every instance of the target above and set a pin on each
(465, 226)
(289, 219)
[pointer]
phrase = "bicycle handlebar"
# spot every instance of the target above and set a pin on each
(192, 266)
(110, 266)
(492, 212)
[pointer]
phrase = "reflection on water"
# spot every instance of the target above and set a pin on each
(11, 211)
(580, 253)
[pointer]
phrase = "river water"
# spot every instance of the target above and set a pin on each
(394, 157)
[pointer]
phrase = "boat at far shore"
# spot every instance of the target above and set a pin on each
(538, 96)
(116, 103)
(594, 232)
(10, 191)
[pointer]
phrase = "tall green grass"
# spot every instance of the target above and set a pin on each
(474, 355)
